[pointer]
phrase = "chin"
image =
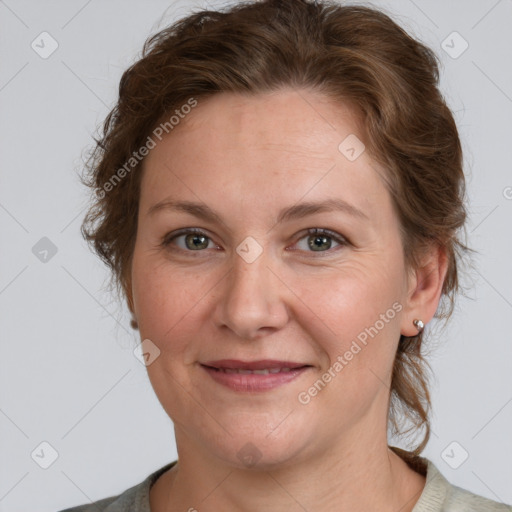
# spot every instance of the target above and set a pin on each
(258, 450)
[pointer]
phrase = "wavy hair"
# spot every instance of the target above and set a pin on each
(352, 54)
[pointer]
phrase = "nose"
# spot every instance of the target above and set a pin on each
(252, 302)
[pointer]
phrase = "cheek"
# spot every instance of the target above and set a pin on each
(160, 298)
(173, 308)
(165, 303)
(357, 328)
(354, 303)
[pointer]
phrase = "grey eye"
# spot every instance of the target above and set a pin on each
(195, 241)
(319, 240)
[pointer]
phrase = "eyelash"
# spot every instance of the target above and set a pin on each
(169, 238)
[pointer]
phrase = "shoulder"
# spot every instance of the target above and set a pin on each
(134, 499)
(462, 500)
(439, 495)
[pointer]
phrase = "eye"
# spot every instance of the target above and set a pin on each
(195, 240)
(189, 240)
(320, 240)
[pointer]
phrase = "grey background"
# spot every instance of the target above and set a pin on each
(68, 373)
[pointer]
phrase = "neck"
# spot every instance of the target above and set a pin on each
(370, 478)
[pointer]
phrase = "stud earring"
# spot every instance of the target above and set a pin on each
(418, 324)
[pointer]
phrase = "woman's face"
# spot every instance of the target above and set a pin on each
(256, 173)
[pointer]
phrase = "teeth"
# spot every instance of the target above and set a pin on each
(264, 371)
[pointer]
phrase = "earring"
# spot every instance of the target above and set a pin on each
(418, 324)
(133, 324)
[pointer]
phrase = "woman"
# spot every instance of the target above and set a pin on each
(279, 194)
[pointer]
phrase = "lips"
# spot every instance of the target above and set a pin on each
(257, 367)
(264, 371)
(254, 376)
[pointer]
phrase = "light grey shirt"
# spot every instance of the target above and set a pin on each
(438, 496)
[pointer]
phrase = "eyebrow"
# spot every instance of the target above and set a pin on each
(296, 211)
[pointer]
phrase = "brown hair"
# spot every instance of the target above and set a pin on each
(352, 54)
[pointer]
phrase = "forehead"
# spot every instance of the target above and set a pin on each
(301, 118)
(280, 145)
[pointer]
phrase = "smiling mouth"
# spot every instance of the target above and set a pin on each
(259, 367)
(263, 371)
(254, 376)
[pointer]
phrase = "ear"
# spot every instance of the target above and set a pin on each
(425, 286)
